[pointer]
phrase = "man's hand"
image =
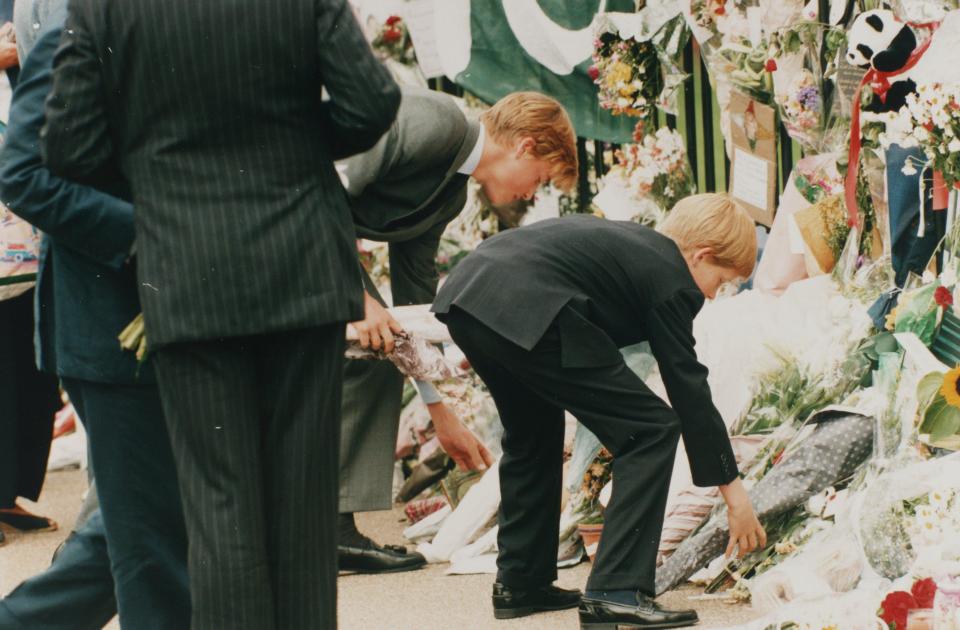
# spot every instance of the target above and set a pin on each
(377, 327)
(458, 441)
(8, 55)
(746, 532)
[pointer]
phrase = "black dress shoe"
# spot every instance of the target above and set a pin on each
(596, 614)
(509, 603)
(366, 556)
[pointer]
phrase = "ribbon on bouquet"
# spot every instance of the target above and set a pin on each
(879, 82)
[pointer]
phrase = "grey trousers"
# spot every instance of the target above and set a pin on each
(372, 391)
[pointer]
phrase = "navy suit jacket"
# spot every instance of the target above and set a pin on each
(86, 289)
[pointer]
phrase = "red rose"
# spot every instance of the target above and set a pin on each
(593, 72)
(392, 35)
(943, 298)
(926, 589)
(893, 609)
(393, 19)
(928, 126)
(771, 65)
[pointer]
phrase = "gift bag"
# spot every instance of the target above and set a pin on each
(19, 250)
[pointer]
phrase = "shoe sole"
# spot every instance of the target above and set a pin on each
(413, 567)
(607, 625)
(513, 613)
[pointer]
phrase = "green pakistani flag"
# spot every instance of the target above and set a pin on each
(541, 45)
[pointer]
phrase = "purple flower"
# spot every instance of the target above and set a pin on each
(809, 97)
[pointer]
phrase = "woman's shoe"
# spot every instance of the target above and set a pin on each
(18, 518)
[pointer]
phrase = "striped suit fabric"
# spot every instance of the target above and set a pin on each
(246, 263)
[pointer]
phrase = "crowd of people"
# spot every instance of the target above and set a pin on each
(181, 163)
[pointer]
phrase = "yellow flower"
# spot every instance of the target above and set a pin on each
(618, 73)
(949, 388)
(891, 321)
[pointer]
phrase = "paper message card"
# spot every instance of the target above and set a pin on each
(753, 169)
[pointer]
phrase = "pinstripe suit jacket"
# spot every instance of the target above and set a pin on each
(212, 110)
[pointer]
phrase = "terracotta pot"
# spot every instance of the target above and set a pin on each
(590, 533)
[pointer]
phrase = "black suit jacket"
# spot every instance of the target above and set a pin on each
(212, 110)
(607, 284)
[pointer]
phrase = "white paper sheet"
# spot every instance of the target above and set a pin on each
(749, 178)
(420, 18)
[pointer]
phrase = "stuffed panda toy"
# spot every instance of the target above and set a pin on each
(878, 40)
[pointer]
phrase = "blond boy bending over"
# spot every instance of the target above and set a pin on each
(541, 312)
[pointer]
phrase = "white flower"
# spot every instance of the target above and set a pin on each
(940, 499)
(954, 145)
(908, 168)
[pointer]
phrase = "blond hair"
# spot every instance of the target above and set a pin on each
(534, 115)
(718, 222)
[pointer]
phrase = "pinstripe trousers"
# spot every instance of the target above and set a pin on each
(254, 423)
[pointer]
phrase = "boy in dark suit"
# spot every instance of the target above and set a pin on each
(540, 312)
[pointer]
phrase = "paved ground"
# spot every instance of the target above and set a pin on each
(423, 600)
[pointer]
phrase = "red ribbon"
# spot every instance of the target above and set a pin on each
(880, 84)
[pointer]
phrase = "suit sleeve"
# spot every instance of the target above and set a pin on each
(363, 96)
(670, 329)
(413, 268)
(84, 219)
(75, 140)
(362, 169)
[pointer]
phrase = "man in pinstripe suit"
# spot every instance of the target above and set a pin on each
(245, 261)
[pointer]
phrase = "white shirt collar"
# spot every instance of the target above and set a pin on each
(470, 164)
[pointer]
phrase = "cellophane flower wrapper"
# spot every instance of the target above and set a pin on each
(918, 313)
(660, 24)
(806, 55)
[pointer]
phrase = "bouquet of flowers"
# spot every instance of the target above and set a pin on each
(627, 73)
(803, 60)
(931, 120)
(654, 172)
(393, 40)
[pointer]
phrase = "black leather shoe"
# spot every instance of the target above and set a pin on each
(596, 614)
(509, 603)
(366, 556)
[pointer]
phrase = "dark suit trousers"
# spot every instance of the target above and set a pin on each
(531, 390)
(28, 401)
(139, 501)
(255, 428)
(74, 593)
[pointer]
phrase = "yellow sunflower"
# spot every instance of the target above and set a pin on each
(949, 389)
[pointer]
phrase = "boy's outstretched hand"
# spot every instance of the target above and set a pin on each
(746, 532)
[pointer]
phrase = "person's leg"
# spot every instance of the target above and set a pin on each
(301, 375)
(635, 425)
(139, 501)
(531, 479)
(29, 399)
(371, 413)
(210, 401)
(75, 593)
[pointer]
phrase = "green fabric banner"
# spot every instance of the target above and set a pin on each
(544, 45)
